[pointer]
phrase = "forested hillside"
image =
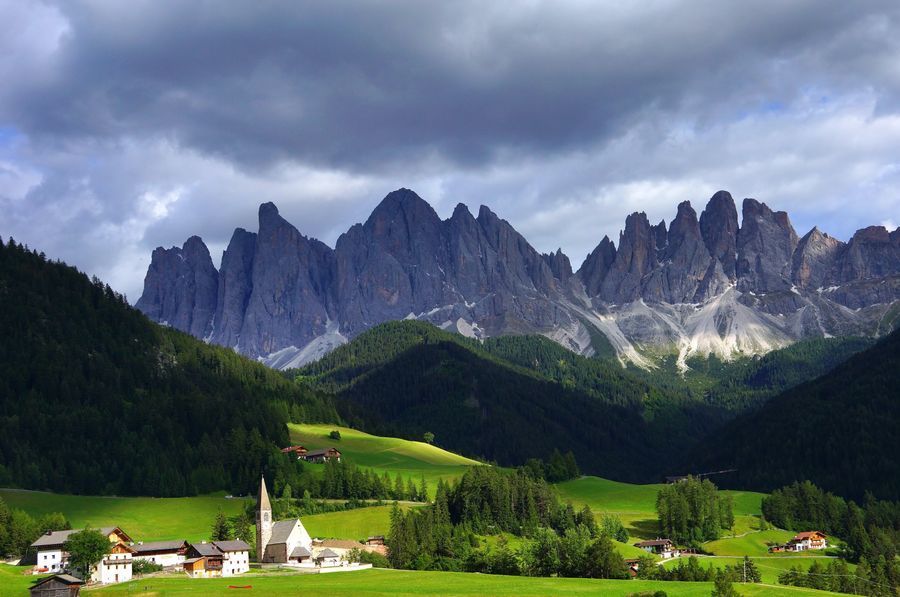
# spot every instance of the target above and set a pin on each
(94, 398)
(841, 431)
(406, 378)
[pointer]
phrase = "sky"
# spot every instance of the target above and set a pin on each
(130, 125)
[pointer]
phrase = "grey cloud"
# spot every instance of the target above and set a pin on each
(138, 124)
(378, 85)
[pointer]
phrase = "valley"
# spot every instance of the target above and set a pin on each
(153, 519)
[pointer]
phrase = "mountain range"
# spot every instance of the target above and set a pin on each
(698, 286)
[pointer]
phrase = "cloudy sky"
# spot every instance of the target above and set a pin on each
(129, 125)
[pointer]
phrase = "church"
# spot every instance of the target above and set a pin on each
(282, 541)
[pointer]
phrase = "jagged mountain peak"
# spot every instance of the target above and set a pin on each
(696, 286)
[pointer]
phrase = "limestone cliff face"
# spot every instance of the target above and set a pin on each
(702, 285)
(180, 288)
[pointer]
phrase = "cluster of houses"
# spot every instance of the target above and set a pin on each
(804, 541)
(217, 558)
(283, 542)
(320, 456)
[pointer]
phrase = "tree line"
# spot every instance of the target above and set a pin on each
(490, 501)
(96, 399)
(693, 511)
(18, 529)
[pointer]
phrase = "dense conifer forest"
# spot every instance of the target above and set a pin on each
(94, 398)
(841, 430)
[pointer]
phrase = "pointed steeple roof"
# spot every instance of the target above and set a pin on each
(263, 501)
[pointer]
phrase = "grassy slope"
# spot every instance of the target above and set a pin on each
(14, 580)
(636, 504)
(143, 518)
(395, 582)
(386, 454)
(352, 524)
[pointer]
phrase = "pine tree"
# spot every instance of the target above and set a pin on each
(221, 529)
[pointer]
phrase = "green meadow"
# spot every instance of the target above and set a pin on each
(386, 454)
(350, 524)
(144, 519)
(407, 582)
(636, 504)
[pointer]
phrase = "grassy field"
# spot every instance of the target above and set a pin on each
(397, 582)
(14, 580)
(386, 454)
(636, 504)
(769, 567)
(145, 519)
(351, 524)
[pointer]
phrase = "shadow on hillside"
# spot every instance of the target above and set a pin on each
(647, 528)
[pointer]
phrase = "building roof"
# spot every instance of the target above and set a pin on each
(300, 552)
(327, 553)
(321, 452)
(235, 545)
(341, 543)
(653, 543)
(153, 546)
(54, 538)
(66, 579)
(206, 549)
(282, 529)
(262, 503)
(807, 535)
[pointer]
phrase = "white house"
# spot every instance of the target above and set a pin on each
(115, 566)
(664, 548)
(236, 556)
(168, 554)
(807, 540)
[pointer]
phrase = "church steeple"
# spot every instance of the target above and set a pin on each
(263, 520)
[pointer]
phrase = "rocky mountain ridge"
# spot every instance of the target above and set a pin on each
(703, 285)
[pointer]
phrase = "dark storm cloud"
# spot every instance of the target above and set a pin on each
(374, 84)
(127, 125)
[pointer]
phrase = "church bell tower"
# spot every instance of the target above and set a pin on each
(263, 521)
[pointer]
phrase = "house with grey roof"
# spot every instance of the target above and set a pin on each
(51, 555)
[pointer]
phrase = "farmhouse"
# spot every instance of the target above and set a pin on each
(277, 542)
(204, 560)
(114, 567)
(661, 547)
(298, 451)
(807, 540)
(323, 455)
(168, 554)
(58, 585)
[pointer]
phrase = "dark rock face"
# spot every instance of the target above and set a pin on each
(635, 258)
(291, 279)
(235, 288)
(719, 227)
(765, 245)
(814, 259)
(595, 267)
(180, 288)
(684, 262)
(702, 285)
(871, 253)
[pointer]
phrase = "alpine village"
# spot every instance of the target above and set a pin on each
(240, 356)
